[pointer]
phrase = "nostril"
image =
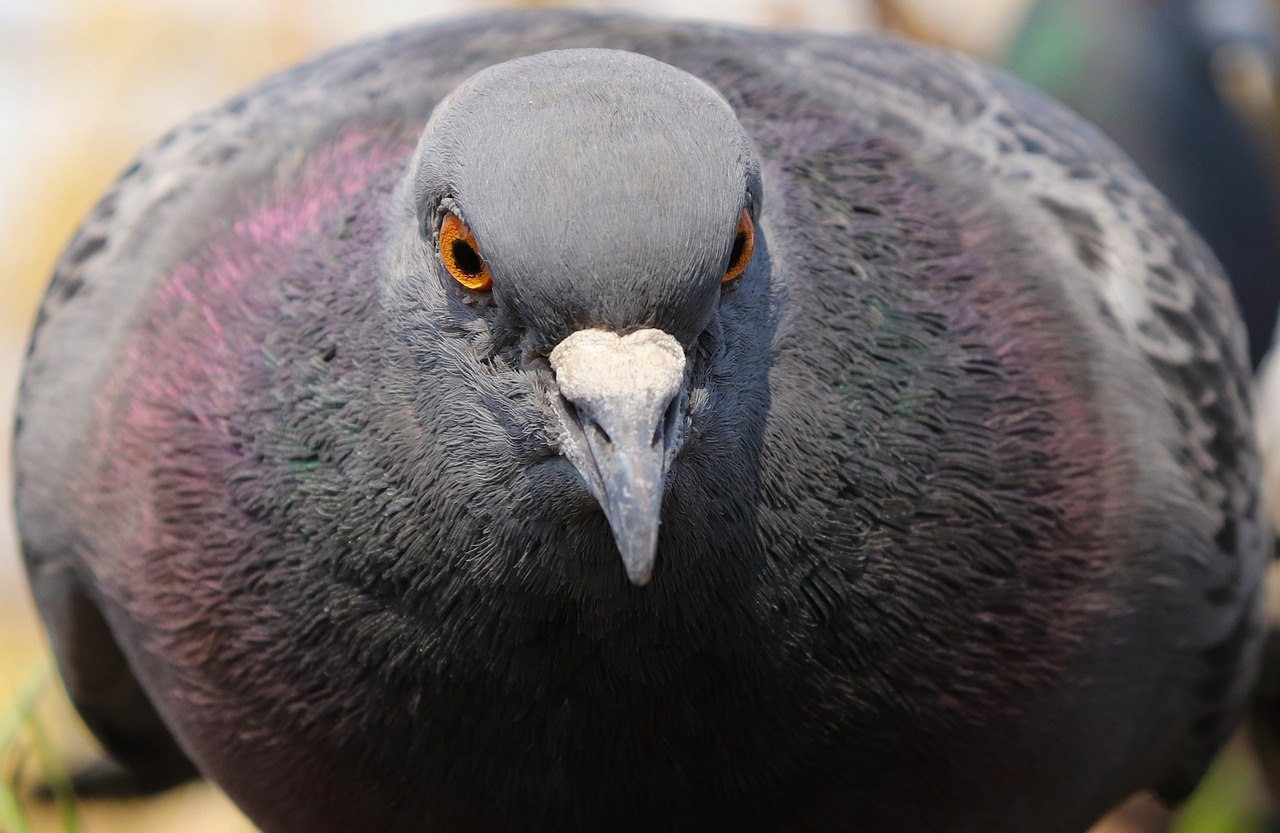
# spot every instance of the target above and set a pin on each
(667, 425)
(590, 428)
(596, 429)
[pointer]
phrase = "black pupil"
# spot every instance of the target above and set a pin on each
(466, 258)
(739, 243)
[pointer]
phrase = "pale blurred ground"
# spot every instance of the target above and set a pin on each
(85, 83)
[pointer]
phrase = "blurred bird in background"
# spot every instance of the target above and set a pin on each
(1187, 89)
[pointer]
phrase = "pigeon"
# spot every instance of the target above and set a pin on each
(576, 421)
(1186, 88)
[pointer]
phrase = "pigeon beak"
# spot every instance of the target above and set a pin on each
(620, 400)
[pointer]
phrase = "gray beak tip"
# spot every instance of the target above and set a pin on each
(640, 578)
(633, 506)
(640, 570)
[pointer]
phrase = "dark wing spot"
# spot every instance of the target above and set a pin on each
(87, 248)
(67, 289)
(1082, 228)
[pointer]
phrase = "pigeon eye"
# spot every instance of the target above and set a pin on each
(744, 243)
(461, 255)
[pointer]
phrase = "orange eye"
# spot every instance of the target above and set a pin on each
(744, 243)
(461, 255)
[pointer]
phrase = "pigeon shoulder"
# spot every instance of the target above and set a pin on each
(180, 192)
(1172, 374)
(162, 210)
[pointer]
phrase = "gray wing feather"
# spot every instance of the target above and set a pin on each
(1155, 286)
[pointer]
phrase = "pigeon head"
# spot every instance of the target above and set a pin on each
(601, 189)
(596, 204)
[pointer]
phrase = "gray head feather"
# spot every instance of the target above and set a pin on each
(603, 187)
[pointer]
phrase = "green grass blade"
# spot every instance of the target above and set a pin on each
(1224, 802)
(56, 776)
(12, 819)
(12, 721)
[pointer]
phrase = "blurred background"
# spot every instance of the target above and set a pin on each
(1187, 86)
